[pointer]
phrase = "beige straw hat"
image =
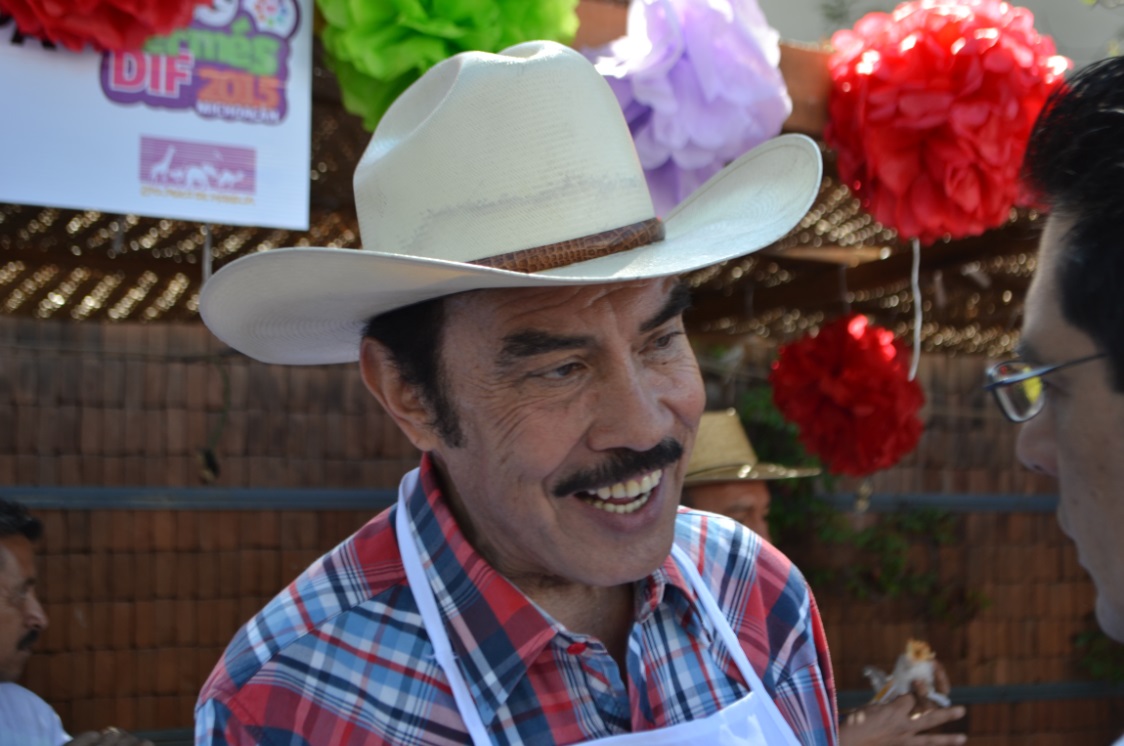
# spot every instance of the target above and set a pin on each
(722, 453)
(502, 170)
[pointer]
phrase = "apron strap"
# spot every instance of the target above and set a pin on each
(733, 644)
(431, 617)
(443, 649)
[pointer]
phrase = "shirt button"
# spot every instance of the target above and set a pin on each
(576, 648)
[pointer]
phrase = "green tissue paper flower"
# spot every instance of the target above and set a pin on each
(377, 48)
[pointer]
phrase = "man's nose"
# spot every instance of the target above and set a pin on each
(631, 414)
(1037, 447)
(36, 616)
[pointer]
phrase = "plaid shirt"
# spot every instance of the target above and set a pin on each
(341, 657)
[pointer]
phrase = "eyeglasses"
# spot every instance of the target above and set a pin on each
(1018, 387)
(17, 599)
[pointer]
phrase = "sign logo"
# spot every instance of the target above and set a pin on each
(231, 63)
(179, 168)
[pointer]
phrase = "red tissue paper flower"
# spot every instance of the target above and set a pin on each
(931, 109)
(848, 390)
(106, 25)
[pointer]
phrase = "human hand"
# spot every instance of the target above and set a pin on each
(108, 737)
(892, 724)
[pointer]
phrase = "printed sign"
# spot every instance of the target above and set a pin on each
(170, 165)
(210, 123)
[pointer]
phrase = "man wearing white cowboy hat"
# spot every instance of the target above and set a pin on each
(515, 310)
(724, 475)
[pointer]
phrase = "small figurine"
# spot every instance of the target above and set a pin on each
(917, 671)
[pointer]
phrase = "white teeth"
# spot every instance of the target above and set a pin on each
(633, 488)
(631, 507)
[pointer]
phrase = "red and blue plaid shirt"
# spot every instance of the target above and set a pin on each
(341, 657)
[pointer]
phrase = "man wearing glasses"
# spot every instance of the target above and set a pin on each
(1067, 384)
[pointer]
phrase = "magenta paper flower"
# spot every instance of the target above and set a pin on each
(699, 85)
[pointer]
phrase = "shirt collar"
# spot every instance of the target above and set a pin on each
(495, 630)
(497, 633)
(668, 585)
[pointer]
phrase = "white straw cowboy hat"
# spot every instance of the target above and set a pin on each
(722, 453)
(502, 170)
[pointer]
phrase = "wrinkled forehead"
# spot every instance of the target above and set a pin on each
(561, 309)
(734, 488)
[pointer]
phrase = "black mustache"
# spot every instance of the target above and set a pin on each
(28, 640)
(621, 465)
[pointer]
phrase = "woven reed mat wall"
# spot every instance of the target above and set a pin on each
(967, 446)
(143, 601)
(132, 404)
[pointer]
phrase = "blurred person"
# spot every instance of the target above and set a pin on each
(724, 476)
(1066, 382)
(25, 719)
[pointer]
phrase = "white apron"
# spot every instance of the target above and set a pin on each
(753, 720)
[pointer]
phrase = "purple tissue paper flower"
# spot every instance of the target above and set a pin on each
(699, 85)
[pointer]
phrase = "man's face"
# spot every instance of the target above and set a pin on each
(562, 392)
(1079, 435)
(21, 616)
(745, 500)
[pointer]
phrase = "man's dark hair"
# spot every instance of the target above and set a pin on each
(413, 335)
(16, 521)
(1075, 161)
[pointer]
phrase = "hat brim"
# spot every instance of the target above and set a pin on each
(748, 472)
(308, 306)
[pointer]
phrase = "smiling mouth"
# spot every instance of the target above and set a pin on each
(623, 497)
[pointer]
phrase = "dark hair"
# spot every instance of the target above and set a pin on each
(16, 521)
(1075, 161)
(413, 335)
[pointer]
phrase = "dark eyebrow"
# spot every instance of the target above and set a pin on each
(532, 342)
(678, 301)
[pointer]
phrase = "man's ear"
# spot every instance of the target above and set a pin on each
(401, 400)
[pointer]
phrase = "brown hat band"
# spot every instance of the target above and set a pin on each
(574, 250)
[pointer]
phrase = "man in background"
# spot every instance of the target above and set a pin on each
(25, 719)
(1067, 382)
(724, 475)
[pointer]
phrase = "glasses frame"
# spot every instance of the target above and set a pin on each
(995, 383)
